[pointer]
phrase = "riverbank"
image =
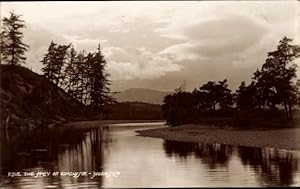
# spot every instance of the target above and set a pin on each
(99, 123)
(287, 138)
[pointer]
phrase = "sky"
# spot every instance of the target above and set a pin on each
(162, 44)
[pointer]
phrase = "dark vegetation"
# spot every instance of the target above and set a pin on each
(82, 75)
(29, 99)
(269, 98)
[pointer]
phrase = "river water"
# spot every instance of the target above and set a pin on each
(114, 156)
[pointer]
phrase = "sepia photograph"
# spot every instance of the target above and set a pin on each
(149, 94)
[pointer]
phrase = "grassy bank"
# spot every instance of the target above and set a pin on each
(251, 119)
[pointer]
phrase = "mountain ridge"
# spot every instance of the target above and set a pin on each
(151, 96)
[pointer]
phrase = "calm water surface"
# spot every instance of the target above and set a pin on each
(139, 161)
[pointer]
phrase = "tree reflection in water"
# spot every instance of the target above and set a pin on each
(70, 149)
(54, 150)
(273, 166)
(213, 155)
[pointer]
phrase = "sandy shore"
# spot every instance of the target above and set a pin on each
(288, 138)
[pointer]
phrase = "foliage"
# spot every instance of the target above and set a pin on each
(54, 61)
(215, 93)
(182, 107)
(98, 81)
(179, 107)
(246, 97)
(275, 80)
(80, 74)
(12, 48)
(272, 85)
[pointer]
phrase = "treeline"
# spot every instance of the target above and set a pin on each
(80, 74)
(273, 85)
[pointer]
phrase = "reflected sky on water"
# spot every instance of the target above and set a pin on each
(141, 161)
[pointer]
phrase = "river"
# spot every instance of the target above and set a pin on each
(115, 156)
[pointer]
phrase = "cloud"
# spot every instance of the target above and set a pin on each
(181, 52)
(116, 54)
(143, 65)
(88, 45)
(161, 44)
(227, 36)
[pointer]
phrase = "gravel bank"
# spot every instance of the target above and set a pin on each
(288, 138)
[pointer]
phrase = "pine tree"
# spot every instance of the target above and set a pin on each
(70, 72)
(100, 93)
(59, 63)
(54, 61)
(80, 79)
(48, 62)
(81, 75)
(12, 48)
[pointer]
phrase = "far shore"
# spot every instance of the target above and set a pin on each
(286, 138)
(99, 123)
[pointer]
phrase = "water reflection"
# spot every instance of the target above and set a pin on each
(212, 155)
(143, 162)
(54, 150)
(274, 166)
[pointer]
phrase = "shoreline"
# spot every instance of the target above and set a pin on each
(100, 123)
(286, 138)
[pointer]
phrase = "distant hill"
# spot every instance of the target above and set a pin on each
(141, 95)
(134, 111)
(29, 99)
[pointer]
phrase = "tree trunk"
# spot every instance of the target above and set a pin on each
(290, 110)
(286, 110)
(13, 55)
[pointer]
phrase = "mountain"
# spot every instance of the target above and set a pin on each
(31, 100)
(134, 111)
(141, 95)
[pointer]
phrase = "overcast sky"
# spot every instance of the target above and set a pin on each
(159, 45)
